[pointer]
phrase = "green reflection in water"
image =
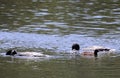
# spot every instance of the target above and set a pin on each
(60, 17)
(61, 68)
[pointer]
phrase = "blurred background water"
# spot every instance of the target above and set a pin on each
(51, 27)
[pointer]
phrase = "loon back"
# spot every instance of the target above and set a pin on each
(98, 50)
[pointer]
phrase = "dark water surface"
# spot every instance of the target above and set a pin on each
(51, 27)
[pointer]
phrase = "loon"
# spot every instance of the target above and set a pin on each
(91, 51)
(26, 54)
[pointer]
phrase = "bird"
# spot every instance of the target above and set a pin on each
(91, 51)
(13, 52)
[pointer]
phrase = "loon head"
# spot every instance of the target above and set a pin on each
(76, 47)
(11, 52)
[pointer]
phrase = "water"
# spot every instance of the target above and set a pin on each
(51, 27)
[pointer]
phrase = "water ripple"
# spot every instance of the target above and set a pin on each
(54, 42)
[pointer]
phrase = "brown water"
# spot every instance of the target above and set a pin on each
(51, 27)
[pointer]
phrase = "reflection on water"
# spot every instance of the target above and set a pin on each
(51, 27)
(36, 42)
(61, 68)
(60, 17)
